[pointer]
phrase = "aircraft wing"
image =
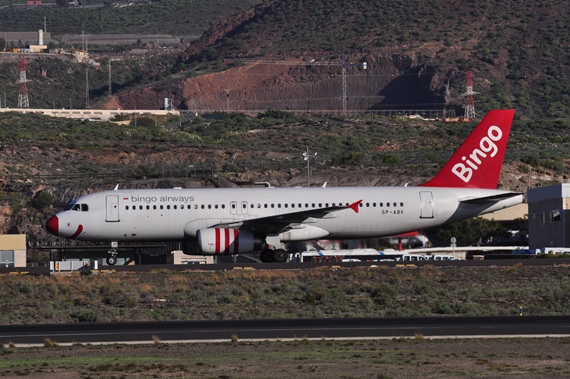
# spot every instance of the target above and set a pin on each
(276, 224)
(489, 199)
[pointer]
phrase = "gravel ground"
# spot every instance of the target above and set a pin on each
(392, 358)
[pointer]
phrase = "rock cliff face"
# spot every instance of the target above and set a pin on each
(306, 86)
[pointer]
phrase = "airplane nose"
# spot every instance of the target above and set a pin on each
(52, 225)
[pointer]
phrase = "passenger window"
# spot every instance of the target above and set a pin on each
(147, 207)
(380, 204)
(401, 204)
(223, 206)
(127, 207)
(209, 206)
(387, 204)
(168, 206)
(395, 204)
(175, 207)
(216, 206)
(140, 207)
(286, 205)
(154, 207)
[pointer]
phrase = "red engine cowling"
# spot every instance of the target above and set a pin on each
(224, 241)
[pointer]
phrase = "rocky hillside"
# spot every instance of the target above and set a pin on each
(518, 54)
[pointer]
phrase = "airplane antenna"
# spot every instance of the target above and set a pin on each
(116, 187)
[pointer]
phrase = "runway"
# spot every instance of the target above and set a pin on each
(225, 331)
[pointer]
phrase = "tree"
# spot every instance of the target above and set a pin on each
(42, 201)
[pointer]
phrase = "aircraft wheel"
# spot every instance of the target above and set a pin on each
(111, 261)
(280, 256)
(266, 256)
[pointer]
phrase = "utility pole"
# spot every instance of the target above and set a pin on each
(227, 100)
(364, 66)
(86, 59)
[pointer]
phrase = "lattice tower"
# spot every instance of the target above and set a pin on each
(23, 100)
(469, 103)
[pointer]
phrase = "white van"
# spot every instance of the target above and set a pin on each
(438, 257)
(413, 258)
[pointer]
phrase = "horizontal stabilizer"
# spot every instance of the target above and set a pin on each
(489, 199)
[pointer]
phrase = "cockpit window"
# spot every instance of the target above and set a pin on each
(77, 207)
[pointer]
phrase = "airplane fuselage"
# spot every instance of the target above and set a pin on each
(177, 214)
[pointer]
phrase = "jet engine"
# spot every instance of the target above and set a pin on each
(225, 241)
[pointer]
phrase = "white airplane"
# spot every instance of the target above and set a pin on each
(246, 220)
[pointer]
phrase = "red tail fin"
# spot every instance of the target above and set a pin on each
(477, 163)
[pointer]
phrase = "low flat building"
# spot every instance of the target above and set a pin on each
(13, 250)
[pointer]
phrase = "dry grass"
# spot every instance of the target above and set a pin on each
(313, 293)
(49, 343)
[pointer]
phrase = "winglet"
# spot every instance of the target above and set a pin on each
(478, 161)
(354, 206)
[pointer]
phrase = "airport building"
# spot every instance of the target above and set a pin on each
(13, 250)
(549, 216)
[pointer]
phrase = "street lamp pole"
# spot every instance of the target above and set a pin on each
(307, 157)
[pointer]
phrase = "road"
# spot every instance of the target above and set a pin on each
(208, 331)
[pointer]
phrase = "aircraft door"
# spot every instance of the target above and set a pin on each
(244, 207)
(233, 207)
(426, 199)
(112, 208)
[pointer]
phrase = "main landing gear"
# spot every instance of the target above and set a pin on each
(114, 252)
(278, 255)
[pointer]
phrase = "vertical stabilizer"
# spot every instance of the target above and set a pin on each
(478, 161)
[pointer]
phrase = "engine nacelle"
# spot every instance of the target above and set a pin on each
(225, 241)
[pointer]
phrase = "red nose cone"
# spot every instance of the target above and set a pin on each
(52, 225)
